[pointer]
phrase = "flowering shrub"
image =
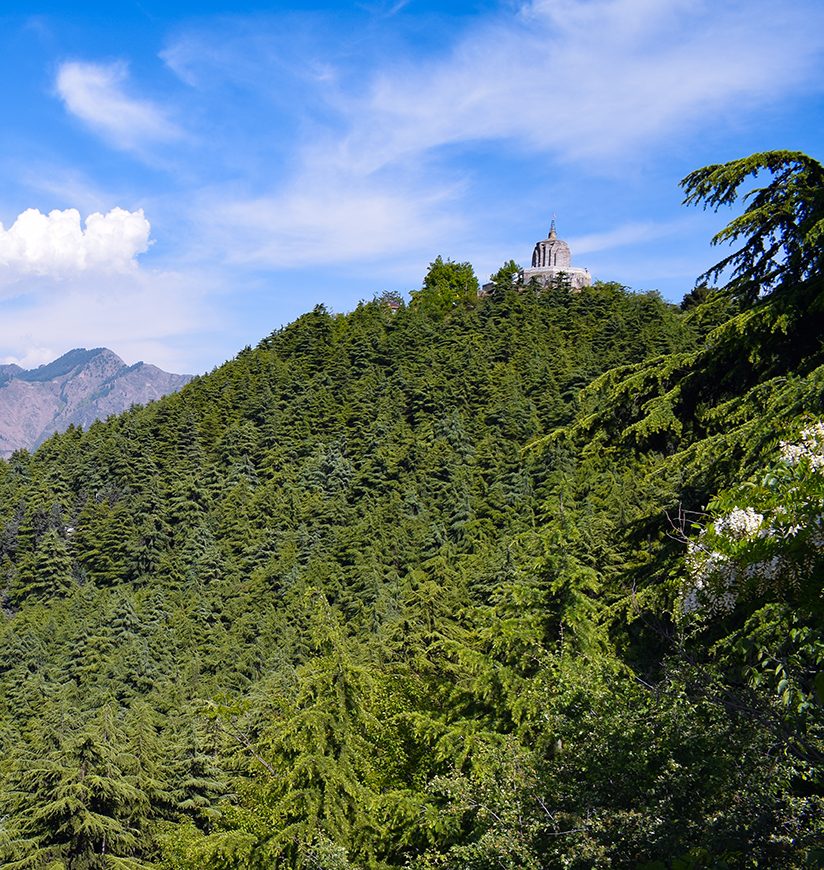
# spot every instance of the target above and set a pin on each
(768, 536)
(809, 448)
(739, 523)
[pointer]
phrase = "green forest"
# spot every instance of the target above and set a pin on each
(526, 579)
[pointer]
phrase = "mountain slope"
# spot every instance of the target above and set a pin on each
(433, 586)
(78, 388)
(347, 491)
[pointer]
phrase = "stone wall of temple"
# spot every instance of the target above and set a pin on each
(552, 258)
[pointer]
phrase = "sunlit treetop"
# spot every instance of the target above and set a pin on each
(783, 224)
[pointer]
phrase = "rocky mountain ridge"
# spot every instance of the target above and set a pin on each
(76, 389)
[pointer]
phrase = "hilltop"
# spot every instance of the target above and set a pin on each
(524, 580)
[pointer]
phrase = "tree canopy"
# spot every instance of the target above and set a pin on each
(525, 580)
(782, 226)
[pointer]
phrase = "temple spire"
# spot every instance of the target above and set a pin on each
(552, 228)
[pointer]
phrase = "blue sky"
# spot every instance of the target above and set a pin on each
(179, 179)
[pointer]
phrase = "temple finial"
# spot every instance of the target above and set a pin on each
(552, 228)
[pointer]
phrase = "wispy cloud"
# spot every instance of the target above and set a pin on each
(626, 234)
(62, 184)
(328, 219)
(385, 9)
(587, 80)
(141, 315)
(96, 93)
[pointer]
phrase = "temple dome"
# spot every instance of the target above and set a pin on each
(551, 252)
(552, 260)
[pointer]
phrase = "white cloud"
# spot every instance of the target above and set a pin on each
(64, 284)
(96, 94)
(588, 80)
(32, 357)
(330, 219)
(55, 244)
(388, 166)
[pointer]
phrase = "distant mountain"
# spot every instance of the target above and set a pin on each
(78, 388)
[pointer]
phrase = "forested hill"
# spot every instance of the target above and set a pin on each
(411, 587)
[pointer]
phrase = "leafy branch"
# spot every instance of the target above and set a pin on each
(783, 224)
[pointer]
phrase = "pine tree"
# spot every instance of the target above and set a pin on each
(75, 804)
(50, 571)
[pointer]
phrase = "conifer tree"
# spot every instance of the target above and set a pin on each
(76, 804)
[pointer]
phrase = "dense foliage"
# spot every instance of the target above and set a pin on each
(431, 586)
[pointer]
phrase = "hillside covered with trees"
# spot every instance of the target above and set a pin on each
(527, 580)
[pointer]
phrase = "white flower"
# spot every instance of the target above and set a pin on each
(810, 446)
(721, 560)
(739, 523)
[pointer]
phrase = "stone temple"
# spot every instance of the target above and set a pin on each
(552, 259)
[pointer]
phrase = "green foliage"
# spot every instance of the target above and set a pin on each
(504, 279)
(77, 805)
(401, 588)
(446, 285)
(783, 224)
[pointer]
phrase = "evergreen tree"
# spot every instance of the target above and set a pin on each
(76, 805)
